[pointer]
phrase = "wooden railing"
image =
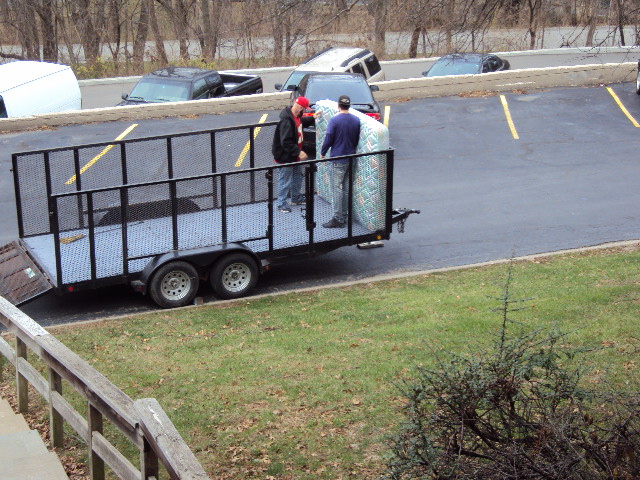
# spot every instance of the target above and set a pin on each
(143, 422)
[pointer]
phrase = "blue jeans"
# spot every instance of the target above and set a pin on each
(289, 182)
(340, 190)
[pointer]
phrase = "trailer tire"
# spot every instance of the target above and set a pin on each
(174, 284)
(233, 275)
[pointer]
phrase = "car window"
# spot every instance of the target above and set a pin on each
(216, 87)
(294, 79)
(453, 66)
(358, 68)
(359, 91)
(372, 65)
(200, 89)
(3, 109)
(160, 90)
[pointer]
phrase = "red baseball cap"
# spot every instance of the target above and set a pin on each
(303, 102)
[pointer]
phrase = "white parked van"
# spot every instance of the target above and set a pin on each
(27, 88)
(337, 60)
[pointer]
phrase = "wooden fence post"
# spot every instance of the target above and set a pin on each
(56, 425)
(96, 464)
(22, 384)
(148, 461)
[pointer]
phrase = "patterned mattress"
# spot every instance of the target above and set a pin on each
(370, 172)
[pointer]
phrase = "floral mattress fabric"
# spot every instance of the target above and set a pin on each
(370, 179)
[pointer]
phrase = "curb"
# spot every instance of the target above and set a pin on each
(374, 279)
(392, 90)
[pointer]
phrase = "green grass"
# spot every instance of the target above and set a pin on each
(301, 385)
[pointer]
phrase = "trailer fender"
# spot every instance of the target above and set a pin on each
(200, 258)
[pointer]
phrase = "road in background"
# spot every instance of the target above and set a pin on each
(108, 92)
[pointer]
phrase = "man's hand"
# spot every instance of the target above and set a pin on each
(303, 156)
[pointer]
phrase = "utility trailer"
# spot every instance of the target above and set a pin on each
(165, 213)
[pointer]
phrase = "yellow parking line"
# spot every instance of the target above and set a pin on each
(101, 154)
(387, 114)
(622, 107)
(245, 150)
(512, 127)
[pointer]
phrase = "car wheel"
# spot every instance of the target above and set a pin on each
(174, 284)
(638, 81)
(234, 275)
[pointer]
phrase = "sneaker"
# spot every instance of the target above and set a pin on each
(333, 223)
(284, 208)
(301, 200)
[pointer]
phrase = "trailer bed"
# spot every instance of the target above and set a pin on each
(147, 238)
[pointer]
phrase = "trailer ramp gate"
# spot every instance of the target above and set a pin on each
(20, 278)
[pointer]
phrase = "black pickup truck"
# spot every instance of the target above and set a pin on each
(177, 84)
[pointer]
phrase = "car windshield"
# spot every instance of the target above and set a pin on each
(331, 89)
(454, 66)
(160, 90)
(294, 79)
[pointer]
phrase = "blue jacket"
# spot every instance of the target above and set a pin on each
(343, 132)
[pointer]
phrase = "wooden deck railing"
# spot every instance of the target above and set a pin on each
(143, 422)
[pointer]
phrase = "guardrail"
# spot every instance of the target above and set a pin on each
(142, 422)
(528, 78)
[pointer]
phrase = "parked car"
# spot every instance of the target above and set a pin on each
(638, 79)
(336, 60)
(329, 86)
(28, 88)
(466, 63)
(176, 84)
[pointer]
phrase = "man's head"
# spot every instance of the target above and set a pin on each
(344, 102)
(299, 106)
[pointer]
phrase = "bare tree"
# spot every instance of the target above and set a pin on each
(141, 33)
(179, 14)
(157, 34)
(378, 9)
(88, 17)
(534, 8)
(45, 11)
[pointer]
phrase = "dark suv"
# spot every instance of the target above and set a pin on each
(329, 86)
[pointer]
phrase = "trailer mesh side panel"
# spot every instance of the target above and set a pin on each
(172, 194)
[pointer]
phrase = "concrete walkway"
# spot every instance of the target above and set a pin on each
(23, 454)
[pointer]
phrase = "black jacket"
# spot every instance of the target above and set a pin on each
(285, 147)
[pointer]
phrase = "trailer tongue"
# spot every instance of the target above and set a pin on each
(165, 213)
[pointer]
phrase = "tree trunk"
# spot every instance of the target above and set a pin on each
(415, 38)
(378, 10)
(141, 33)
(49, 38)
(619, 8)
(88, 31)
(157, 35)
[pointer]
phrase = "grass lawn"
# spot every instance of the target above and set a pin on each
(300, 386)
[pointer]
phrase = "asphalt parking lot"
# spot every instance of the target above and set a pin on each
(494, 175)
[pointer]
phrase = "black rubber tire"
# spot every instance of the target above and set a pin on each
(234, 275)
(638, 81)
(174, 284)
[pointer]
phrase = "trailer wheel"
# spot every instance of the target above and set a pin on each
(234, 275)
(174, 284)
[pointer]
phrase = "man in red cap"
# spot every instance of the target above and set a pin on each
(287, 149)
